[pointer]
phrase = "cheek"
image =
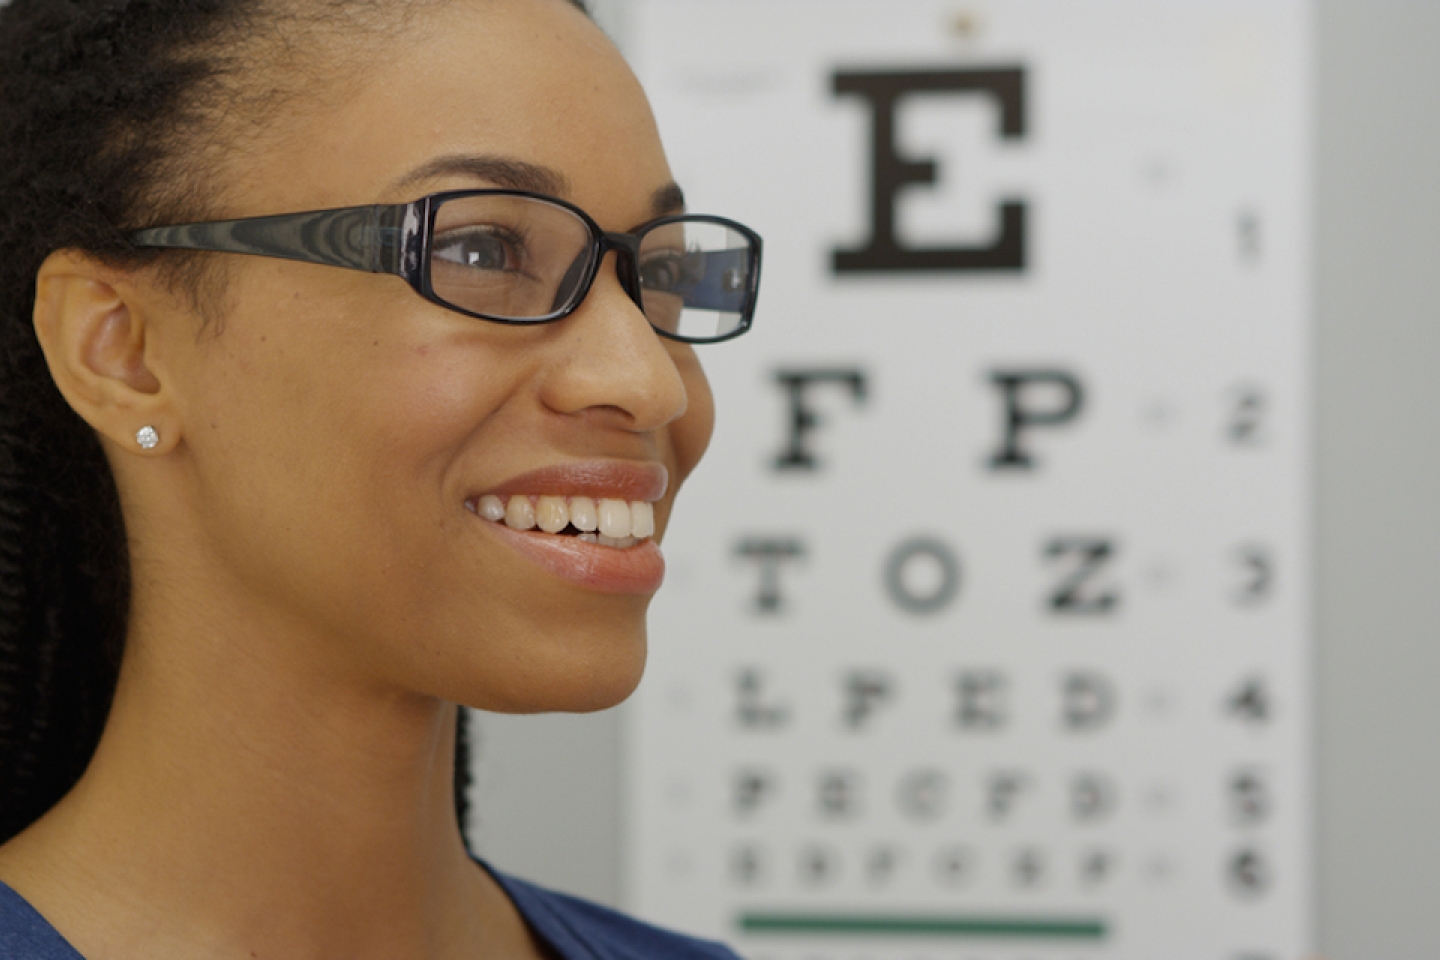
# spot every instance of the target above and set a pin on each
(322, 437)
(690, 434)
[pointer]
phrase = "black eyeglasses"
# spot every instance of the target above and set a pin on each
(513, 257)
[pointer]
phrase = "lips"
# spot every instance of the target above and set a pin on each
(588, 523)
(597, 479)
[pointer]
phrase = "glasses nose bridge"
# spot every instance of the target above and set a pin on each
(627, 262)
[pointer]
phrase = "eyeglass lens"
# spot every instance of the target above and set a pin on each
(521, 258)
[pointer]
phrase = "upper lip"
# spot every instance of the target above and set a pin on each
(600, 479)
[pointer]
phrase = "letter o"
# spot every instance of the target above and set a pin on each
(930, 599)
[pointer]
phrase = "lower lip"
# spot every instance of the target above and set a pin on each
(635, 570)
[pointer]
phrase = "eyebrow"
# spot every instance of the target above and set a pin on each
(520, 175)
(501, 171)
(668, 199)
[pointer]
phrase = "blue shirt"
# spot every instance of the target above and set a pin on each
(574, 929)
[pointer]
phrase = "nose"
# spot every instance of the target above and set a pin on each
(615, 366)
(627, 265)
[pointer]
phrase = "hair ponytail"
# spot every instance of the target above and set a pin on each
(99, 100)
(64, 573)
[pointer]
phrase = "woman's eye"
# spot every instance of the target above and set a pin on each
(481, 249)
(667, 273)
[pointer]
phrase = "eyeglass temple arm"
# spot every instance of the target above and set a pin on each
(384, 238)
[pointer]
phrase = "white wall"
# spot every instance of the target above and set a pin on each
(549, 786)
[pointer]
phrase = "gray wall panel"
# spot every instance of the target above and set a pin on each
(1379, 473)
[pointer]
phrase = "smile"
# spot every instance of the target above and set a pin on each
(619, 524)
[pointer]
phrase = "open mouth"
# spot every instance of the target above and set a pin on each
(619, 524)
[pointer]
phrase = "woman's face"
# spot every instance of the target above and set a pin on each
(339, 431)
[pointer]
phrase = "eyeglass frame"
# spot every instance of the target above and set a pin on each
(397, 239)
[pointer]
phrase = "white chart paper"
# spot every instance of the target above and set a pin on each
(986, 634)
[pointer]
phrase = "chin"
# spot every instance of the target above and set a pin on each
(571, 672)
(597, 692)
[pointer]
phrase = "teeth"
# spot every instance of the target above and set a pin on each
(551, 514)
(582, 514)
(612, 523)
(614, 518)
(520, 514)
(642, 519)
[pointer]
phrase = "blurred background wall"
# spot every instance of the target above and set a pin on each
(1378, 522)
(548, 788)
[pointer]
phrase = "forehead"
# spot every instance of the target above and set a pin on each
(527, 80)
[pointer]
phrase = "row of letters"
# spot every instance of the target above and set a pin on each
(923, 575)
(1246, 871)
(927, 794)
(979, 700)
(1031, 400)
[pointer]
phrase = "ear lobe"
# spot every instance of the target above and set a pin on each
(95, 338)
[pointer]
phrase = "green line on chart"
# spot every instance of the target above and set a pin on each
(915, 925)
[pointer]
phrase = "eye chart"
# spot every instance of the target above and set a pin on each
(986, 634)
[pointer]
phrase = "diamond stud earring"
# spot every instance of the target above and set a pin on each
(148, 437)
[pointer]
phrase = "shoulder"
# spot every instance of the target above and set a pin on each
(577, 929)
(581, 930)
(26, 935)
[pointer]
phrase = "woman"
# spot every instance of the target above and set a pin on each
(306, 507)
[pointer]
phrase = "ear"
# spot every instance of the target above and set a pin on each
(97, 341)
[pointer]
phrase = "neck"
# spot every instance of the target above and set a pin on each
(249, 806)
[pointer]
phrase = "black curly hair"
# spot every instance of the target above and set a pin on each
(105, 106)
